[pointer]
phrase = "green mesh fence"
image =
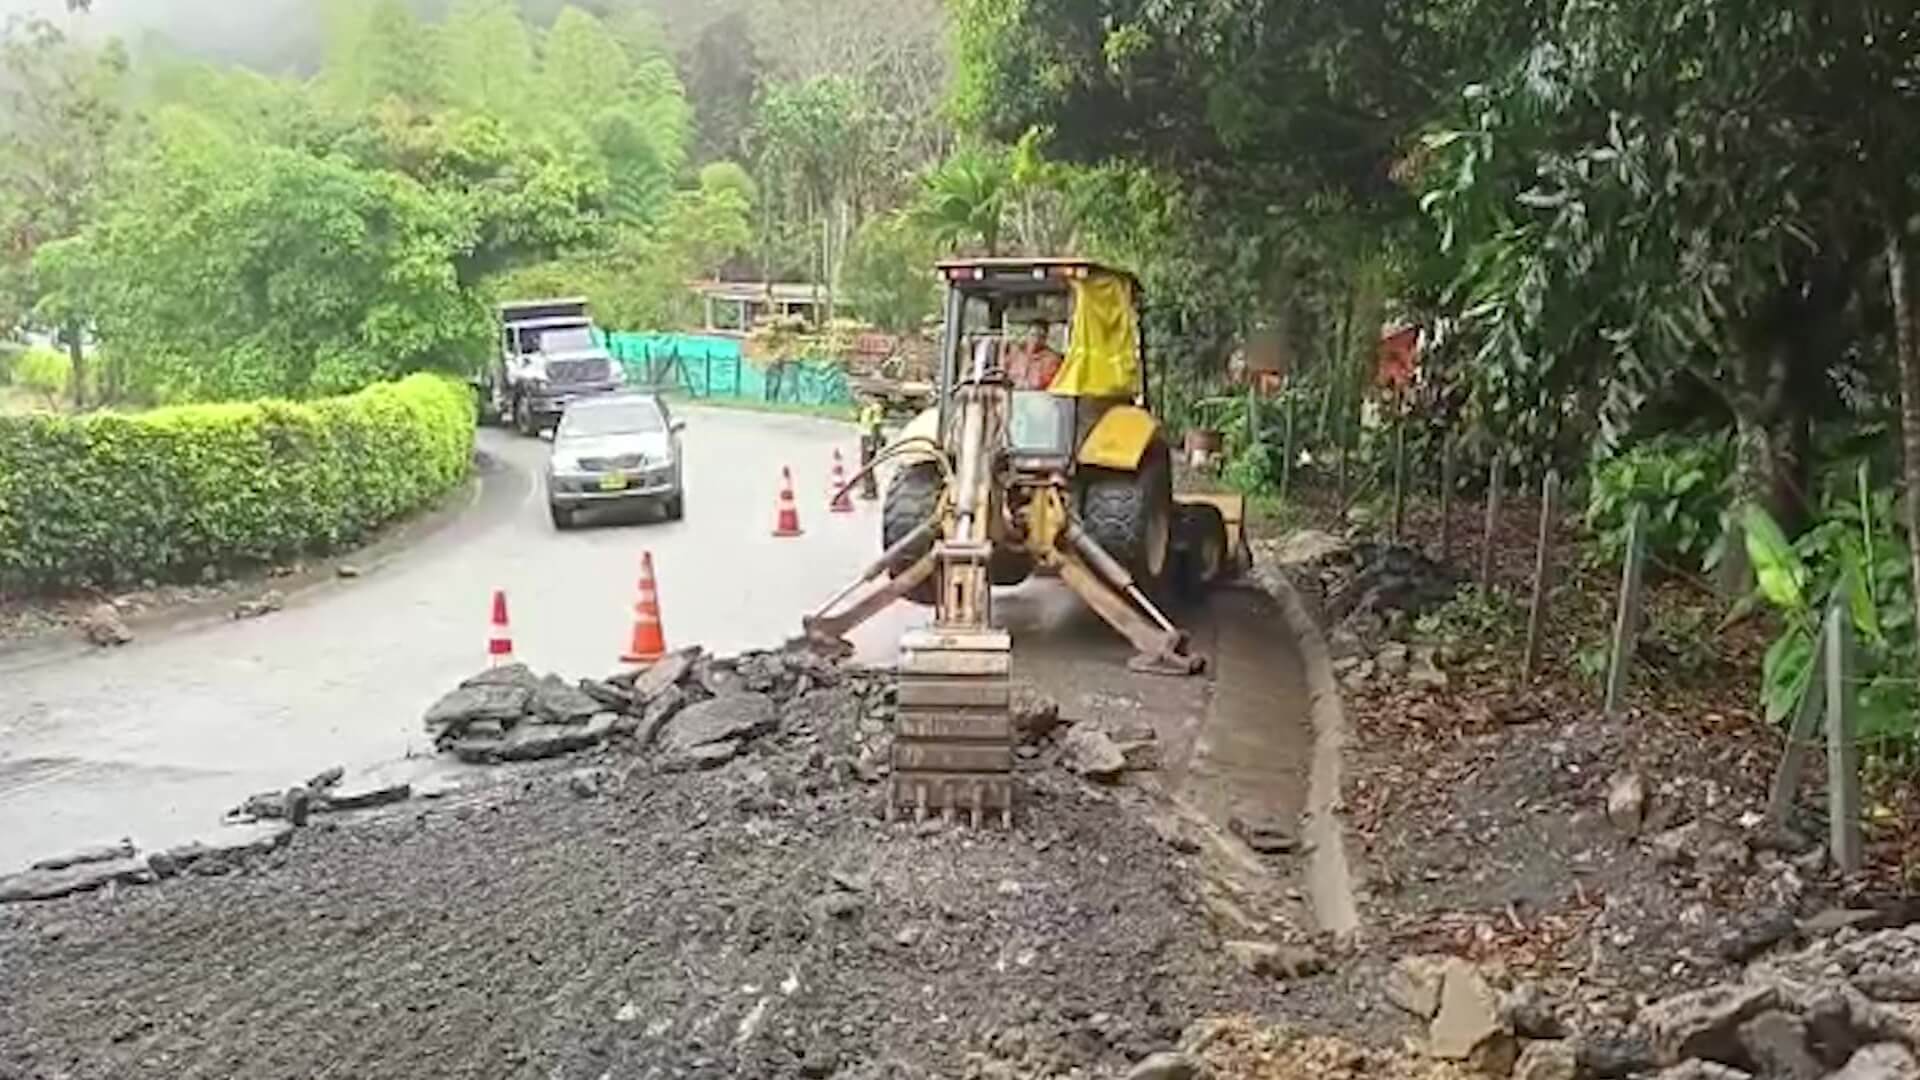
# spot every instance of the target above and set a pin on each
(713, 367)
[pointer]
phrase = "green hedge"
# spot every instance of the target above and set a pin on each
(113, 498)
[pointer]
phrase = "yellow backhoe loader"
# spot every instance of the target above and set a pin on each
(1003, 480)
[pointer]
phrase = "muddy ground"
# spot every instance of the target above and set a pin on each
(604, 918)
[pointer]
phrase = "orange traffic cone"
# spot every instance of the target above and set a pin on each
(787, 523)
(649, 639)
(499, 638)
(842, 502)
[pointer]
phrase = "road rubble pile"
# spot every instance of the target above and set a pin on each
(1844, 1008)
(707, 890)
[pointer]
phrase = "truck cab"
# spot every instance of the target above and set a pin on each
(550, 355)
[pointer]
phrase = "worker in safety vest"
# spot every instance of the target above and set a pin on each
(872, 416)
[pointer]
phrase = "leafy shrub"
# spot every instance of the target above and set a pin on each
(1856, 559)
(44, 371)
(111, 498)
(1683, 483)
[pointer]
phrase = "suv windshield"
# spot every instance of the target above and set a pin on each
(566, 339)
(624, 418)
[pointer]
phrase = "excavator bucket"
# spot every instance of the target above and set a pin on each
(953, 733)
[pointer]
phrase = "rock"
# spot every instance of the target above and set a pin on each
(259, 838)
(907, 937)
(1614, 1054)
(267, 805)
(1627, 802)
(363, 793)
(1424, 672)
(1757, 934)
(853, 881)
(1704, 1024)
(1702, 1070)
(347, 570)
(1343, 644)
(265, 604)
(1676, 846)
(653, 680)
(1414, 984)
(1167, 1065)
(664, 707)
(1776, 1044)
(1139, 745)
(1035, 715)
(537, 742)
(700, 758)
(519, 675)
(104, 627)
(1834, 920)
(1391, 660)
(1276, 961)
(1881, 1061)
(608, 695)
(734, 718)
(1268, 836)
(299, 803)
(557, 703)
(1531, 1013)
(321, 781)
(100, 854)
(1091, 754)
(1468, 1026)
(718, 677)
(502, 703)
(81, 877)
(761, 672)
(840, 905)
(587, 783)
(1551, 1060)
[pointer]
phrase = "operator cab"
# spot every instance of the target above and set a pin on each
(1016, 320)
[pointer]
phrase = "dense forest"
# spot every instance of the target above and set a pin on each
(1665, 246)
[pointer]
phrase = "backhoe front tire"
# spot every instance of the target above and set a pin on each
(913, 496)
(1131, 516)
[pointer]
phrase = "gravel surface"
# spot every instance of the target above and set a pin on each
(755, 921)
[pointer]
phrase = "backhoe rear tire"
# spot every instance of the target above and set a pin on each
(1130, 514)
(913, 496)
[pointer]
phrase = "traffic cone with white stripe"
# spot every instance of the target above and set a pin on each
(787, 521)
(499, 636)
(649, 641)
(842, 501)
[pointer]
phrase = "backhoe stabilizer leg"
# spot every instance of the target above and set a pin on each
(1158, 651)
(827, 629)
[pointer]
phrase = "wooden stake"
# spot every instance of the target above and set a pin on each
(1806, 722)
(1446, 495)
(1626, 622)
(1286, 462)
(1843, 756)
(1542, 566)
(1399, 465)
(1494, 480)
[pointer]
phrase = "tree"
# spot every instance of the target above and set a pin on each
(888, 277)
(60, 115)
(489, 58)
(812, 141)
(230, 270)
(378, 49)
(963, 204)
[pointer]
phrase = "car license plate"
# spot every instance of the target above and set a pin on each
(615, 482)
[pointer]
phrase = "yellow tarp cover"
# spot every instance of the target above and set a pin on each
(1103, 346)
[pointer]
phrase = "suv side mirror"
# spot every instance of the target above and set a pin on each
(677, 426)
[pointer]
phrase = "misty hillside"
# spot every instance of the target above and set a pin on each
(286, 35)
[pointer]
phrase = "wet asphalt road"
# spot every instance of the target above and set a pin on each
(156, 740)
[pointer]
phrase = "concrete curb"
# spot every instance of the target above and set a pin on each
(1329, 876)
